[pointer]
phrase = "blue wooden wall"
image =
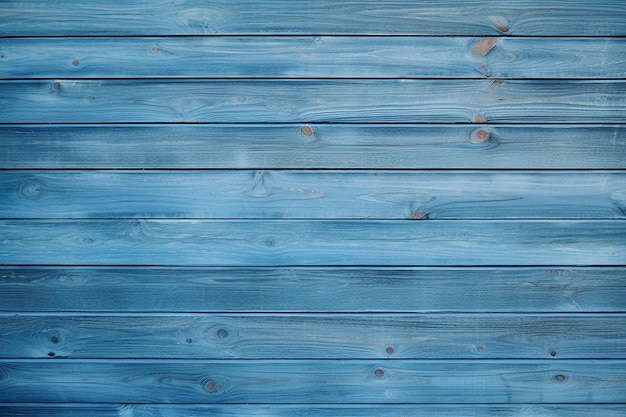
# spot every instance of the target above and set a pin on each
(313, 208)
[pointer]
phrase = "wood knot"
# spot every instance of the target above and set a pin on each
(418, 215)
(76, 62)
(501, 23)
(379, 373)
(307, 131)
(56, 85)
(480, 136)
(483, 47)
(480, 118)
(560, 378)
(211, 386)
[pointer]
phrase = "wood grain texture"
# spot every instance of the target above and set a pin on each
(449, 17)
(320, 242)
(310, 410)
(325, 336)
(355, 381)
(312, 194)
(303, 101)
(312, 57)
(79, 289)
(330, 146)
(316, 289)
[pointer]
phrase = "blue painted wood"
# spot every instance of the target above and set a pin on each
(322, 336)
(521, 290)
(329, 146)
(313, 410)
(160, 17)
(486, 337)
(313, 381)
(312, 194)
(301, 101)
(313, 57)
(293, 242)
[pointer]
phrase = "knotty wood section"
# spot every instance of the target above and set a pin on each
(362, 146)
(414, 195)
(294, 208)
(322, 101)
(314, 57)
(263, 17)
(313, 381)
(306, 336)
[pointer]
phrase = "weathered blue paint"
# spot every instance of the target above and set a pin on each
(361, 146)
(313, 242)
(288, 216)
(306, 336)
(313, 57)
(311, 410)
(303, 101)
(264, 17)
(316, 289)
(312, 194)
(313, 381)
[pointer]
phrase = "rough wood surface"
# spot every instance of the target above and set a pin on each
(322, 336)
(313, 381)
(304, 101)
(312, 242)
(313, 57)
(322, 290)
(263, 17)
(310, 410)
(312, 194)
(328, 146)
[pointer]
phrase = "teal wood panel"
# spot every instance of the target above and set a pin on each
(311, 410)
(192, 17)
(327, 146)
(313, 57)
(314, 242)
(313, 381)
(306, 336)
(298, 101)
(312, 194)
(322, 290)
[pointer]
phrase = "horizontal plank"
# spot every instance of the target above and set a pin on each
(313, 57)
(49, 289)
(312, 194)
(192, 17)
(301, 101)
(317, 242)
(328, 146)
(401, 381)
(306, 410)
(297, 336)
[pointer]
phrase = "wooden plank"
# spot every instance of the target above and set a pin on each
(298, 336)
(318, 242)
(300, 101)
(148, 290)
(192, 17)
(314, 381)
(313, 57)
(306, 410)
(312, 194)
(329, 146)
